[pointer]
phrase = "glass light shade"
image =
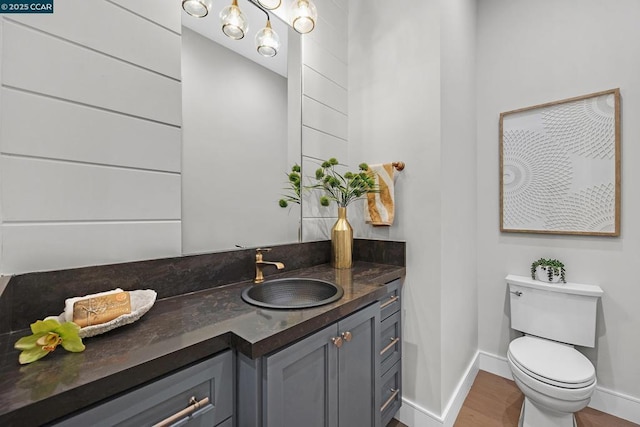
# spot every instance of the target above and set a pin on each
(270, 4)
(267, 41)
(303, 16)
(234, 22)
(197, 8)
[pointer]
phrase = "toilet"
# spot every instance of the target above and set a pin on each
(555, 378)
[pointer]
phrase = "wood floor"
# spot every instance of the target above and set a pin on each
(495, 401)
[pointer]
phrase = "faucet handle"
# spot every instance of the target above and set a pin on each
(259, 252)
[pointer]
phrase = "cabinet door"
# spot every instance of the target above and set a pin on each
(301, 383)
(359, 369)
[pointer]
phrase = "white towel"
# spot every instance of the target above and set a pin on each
(380, 206)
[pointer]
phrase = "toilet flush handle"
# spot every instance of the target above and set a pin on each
(517, 293)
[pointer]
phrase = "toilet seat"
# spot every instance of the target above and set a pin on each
(552, 363)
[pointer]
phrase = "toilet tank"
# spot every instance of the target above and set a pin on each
(564, 312)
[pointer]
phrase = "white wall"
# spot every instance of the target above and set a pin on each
(89, 135)
(412, 98)
(534, 52)
(394, 114)
(234, 126)
(459, 294)
(324, 108)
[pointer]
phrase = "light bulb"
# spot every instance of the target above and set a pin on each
(234, 23)
(196, 8)
(267, 41)
(270, 4)
(303, 16)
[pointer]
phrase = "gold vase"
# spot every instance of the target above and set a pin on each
(341, 241)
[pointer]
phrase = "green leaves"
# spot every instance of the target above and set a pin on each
(553, 267)
(294, 180)
(343, 189)
(46, 336)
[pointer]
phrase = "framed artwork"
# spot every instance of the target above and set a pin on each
(560, 167)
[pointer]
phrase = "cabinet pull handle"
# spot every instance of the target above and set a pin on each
(194, 405)
(347, 336)
(337, 341)
(391, 301)
(394, 393)
(393, 342)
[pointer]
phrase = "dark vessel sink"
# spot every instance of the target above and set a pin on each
(291, 293)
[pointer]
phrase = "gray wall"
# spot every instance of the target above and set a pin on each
(535, 52)
(90, 135)
(234, 115)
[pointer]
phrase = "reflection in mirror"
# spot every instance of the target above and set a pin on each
(240, 135)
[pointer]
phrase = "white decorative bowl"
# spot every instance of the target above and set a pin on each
(141, 302)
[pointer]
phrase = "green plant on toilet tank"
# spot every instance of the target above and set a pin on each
(552, 269)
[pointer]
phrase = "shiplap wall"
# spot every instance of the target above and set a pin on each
(90, 116)
(324, 107)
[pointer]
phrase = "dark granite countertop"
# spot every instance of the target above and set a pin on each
(176, 332)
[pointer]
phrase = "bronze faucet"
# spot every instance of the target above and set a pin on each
(260, 263)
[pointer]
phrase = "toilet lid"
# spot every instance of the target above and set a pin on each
(551, 362)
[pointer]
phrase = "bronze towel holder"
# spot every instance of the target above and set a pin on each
(398, 165)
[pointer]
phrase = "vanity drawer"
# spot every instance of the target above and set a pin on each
(390, 342)
(200, 395)
(391, 302)
(391, 394)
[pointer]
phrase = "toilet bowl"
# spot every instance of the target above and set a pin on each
(556, 380)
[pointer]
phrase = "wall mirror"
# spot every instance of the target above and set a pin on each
(241, 124)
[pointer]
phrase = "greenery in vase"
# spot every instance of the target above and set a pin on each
(294, 181)
(343, 189)
(553, 267)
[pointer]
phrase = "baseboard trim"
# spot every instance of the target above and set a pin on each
(415, 415)
(618, 404)
(495, 364)
(605, 400)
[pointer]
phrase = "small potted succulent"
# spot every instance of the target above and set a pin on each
(548, 270)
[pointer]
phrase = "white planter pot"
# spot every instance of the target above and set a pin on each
(543, 276)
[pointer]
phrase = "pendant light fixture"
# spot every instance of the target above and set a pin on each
(234, 22)
(270, 4)
(267, 41)
(197, 8)
(303, 16)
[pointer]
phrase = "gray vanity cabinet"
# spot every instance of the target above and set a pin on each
(198, 396)
(329, 379)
